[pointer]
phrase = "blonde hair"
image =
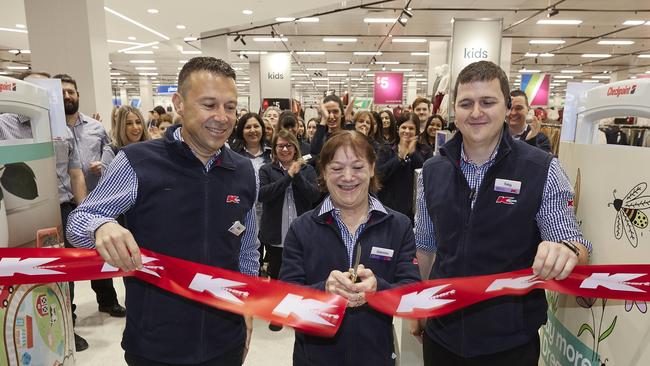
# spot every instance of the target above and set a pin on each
(119, 132)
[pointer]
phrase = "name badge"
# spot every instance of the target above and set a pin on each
(381, 253)
(237, 228)
(507, 186)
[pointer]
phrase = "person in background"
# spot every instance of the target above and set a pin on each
(311, 129)
(288, 188)
(129, 128)
(519, 129)
(289, 121)
(268, 130)
(422, 108)
(272, 116)
(250, 140)
(243, 112)
(463, 228)
(331, 120)
(91, 137)
(320, 247)
(428, 136)
(164, 185)
(301, 129)
(388, 130)
(398, 170)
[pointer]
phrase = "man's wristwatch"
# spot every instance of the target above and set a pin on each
(573, 247)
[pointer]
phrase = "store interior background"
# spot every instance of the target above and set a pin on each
(164, 34)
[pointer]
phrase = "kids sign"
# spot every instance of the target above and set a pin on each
(388, 87)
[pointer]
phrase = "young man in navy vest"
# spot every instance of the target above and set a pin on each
(490, 204)
(176, 194)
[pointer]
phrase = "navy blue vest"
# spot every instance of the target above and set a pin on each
(492, 237)
(182, 211)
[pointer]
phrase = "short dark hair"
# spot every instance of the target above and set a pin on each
(27, 74)
(483, 71)
(361, 146)
(419, 100)
(65, 78)
(405, 118)
(160, 110)
(287, 119)
(392, 129)
(520, 93)
(203, 63)
(335, 98)
(239, 130)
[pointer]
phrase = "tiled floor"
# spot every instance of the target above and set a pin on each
(104, 334)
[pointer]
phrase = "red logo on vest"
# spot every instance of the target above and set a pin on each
(232, 199)
(506, 200)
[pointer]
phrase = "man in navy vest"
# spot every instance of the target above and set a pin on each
(187, 196)
(489, 204)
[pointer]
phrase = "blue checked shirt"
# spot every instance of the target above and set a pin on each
(350, 239)
(555, 219)
(117, 192)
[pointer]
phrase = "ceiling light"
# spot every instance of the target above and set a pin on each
(546, 55)
(141, 45)
(559, 21)
(590, 81)
(408, 40)
(148, 73)
(615, 42)
(310, 52)
(138, 52)
(559, 81)
(546, 41)
(253, 52)
(596, 55)
(382, 20)
(529, 54)
(155, 47)
(526, 71)
(562, 76)
(308, 20)
(21, 26)
(403, 70)
(285, 19)
(182, 61)
(179, 68)
(644, 56)
(180, 26)
(124, 42)
(270, 39)
(142, 61)
(320, 79)
(365, 53)
(571, 71)
(247, 12)
(152, 11)
(419, 53)
(316, 69)
(604, 77)
(359, 69)
(136, 23)
(115, 73)
(13, 30)
(633, 22)
(17, 67)
(386, 62)
(339, 39)
(145, 68)
(190, 39)
(131, 38)
(339, 62)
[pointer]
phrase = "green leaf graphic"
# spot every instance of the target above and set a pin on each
(586, 327)
(19, 179)
(608, 331)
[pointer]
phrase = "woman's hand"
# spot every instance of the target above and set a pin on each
(295, 167)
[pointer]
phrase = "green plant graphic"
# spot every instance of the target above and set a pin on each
(596, 334)
(18, 179)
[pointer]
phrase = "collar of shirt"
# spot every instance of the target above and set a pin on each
(521, 134)
(464, 159)
(213, 158)
(373, 205)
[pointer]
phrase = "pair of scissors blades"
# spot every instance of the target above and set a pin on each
(355, 266)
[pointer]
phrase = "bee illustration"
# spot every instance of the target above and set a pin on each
(629, 213)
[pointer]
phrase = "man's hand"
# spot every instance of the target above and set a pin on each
(554, 261)
(349, 110)
(339, 283)
(95, 167)
(417, 328)
(368, 284)
(535, 127)
(249, 334)
(97, 117)
(118, 247)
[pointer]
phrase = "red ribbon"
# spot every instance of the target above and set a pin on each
(308, 310)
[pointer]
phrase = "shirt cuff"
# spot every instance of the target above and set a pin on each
(94, 224)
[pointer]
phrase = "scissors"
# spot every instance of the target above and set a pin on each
(355, 266)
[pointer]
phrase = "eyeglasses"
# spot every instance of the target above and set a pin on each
(288, 147)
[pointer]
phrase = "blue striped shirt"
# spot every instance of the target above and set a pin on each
(350, 239)
(555, 218)
(116, 193)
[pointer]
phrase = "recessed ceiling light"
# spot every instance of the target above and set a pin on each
(155, 47)
(310, 52)
(339, 39)
(308, 20)
(17, 67)
(182, 61)
(142, 61)
(523, 71)
(601, 77)
(253, 52)
(131, 38)
(644, 56)
(563, 76)
(13, 30)
(270, 39)
(180, 26)
(571, 71)
(633, 22)
(247, 12)
(408, 40)
(364, 53)
(119, 15)
(386, 62)
(546, 41)
(285, 19)
(546, 55)
(148, 73)
(596, 55)
(404, 70)
(152, 11)
(530, 54)
(615, 42)
(124, 42)
(590, 81)
(115, 73)
(419, 53)
(359, 69)
(559, 21)
(316, 69)
(21, 26)
(190, 39)
(339, 62)
(146, 68)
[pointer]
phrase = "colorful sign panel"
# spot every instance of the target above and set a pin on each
(536, 87)
(167, 89)
(389, 87)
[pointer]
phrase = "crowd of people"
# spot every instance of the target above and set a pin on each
(311, 196)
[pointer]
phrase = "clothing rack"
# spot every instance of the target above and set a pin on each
(634, 135)
(552, 131)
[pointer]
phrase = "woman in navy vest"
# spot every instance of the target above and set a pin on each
(322, 245)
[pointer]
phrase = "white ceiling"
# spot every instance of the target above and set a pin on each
(431, 20)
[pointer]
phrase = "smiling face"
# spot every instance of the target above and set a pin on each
(333, 115)
(480, 111)
(517, 114)
(407, 131)
(285, 151)
(133, 128)
(311, 128)
(208, 106)
(423, 111)
(252, 131)
(435, 125)
(347, 177)
(385, 120)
